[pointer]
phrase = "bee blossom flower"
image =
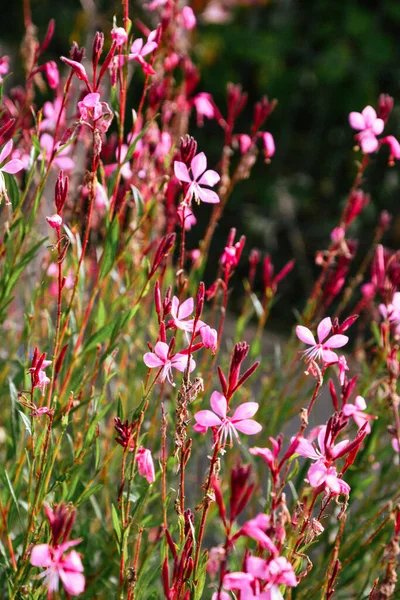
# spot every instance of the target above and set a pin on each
(199, 177)
(319, 474)
(369, 126)
(55, 221)
(68, 568)
(188, 17)
(139, 50)
(119, 36)
(12, 166)
(160, 358)
(209, 337)
(323, 349)
(228, 427)
(145, 464)
(356, 411)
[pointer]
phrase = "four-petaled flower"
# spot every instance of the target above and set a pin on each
(138, 51)
(68, 568)
(369, 126)
(323, 349)
(356, 411)
(228, 427)
(199, 177)
(160, 358)
(12, 166)
(319, 474)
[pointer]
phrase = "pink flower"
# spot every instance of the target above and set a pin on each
(159, 358)
(227, 426)
(307, 449)
(269, 145)
(12, 166)
(392, 311)
(61, 159)
(204, 107)
(53, 76)
(55, 221)
(90, 107)
(145, 464)
(369, 126)
(78, 69)
(186, 217)
(342, 365)
(323, 349)
(51, 112)
(119, 36)
(4, 66)
(244, 142)
(69, 568)
(180, 313)
(199, 178)
(319, 474)
(138, 51)
(209, 337)
(256, 528)
(188, 17)
(356, 411)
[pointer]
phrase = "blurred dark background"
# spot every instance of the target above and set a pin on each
(321, 59)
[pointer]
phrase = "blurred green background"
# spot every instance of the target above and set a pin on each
(321, 59)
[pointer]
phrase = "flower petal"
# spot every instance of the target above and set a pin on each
(41, 556)
(378, 126)
(324, 328)
(329, 357)
(219, 404)
(245, 411)
(336, 341)
(206, 418)
(248, 426)
(306, 449)
(6, 151)
(210, 178)
(151, 360)
(161, 349)
(74, 583)
(198, 165)
(13, 166)
(356, 121)
(181, 172)
(305, 335)
(369, 115)
(186, 308)
(180, 361)
(360, 403)
(316, 474)
(368, 142)
(208, 196)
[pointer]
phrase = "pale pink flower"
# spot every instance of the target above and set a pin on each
(228, 427)
(52, 74)
(159, 358)
(244, 142)
(119, 36)
(356, 411)
(319, 474)
(200, 177)
(188, 17)
(186, 217)
(78, 69)
(11, 167)
(269, 144)
(392, 311)
(256, 528)
(55, 221)
(61, 160)
(180, 313)
(145, 464)
(323, 349)
(68, 568)
(209, 337)
(90, 107)
(306, 448)
(204, 107)
(395, 444)
(51, 111)
(139, 50)
(369, 126)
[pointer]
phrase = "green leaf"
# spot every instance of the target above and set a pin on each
(116, 523)
(89, 492)
(111, 249)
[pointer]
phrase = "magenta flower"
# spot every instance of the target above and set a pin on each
(319, 474)
(52, 74)
(186, 217)
(256, 529)
(369, 126)
(199, 178)
(204, 107)
(90, 107)
(159, 358)
(323, 349)
(77, 68)
(68, 568)
(55, 221)
(269, 145)
(188, 17)
(209, 337)
(145, 464)
(228, 427)
(356, 411)
(138, 51)
(12, 166)
(392, 310)
(307, 449)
